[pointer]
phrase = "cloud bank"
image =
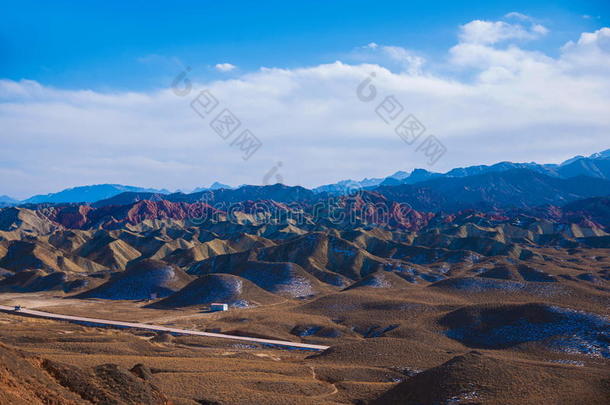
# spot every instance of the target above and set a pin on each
(499, 101)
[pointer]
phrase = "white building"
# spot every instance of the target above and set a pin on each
(216, 307)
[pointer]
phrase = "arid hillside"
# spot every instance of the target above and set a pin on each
(508, 306)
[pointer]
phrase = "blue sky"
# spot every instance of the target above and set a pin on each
(85, 94)
(139, 44)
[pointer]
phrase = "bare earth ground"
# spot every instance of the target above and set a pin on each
(188, 369)
(470, 311)
(194, 370)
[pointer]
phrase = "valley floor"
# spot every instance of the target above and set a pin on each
(419, 365)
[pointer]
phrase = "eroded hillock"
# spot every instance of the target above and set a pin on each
(225, 288)
(147, 279)
(475, 378)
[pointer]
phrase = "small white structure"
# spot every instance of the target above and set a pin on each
(217, 307)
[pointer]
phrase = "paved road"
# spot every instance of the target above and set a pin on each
(105, 322)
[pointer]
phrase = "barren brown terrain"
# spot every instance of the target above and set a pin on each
(468, 309)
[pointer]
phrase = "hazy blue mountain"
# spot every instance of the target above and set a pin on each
(598, 155)
(7, 200)
(131, 197)
(399, 175)
(215, 186)
(601, 155)
(276, 192)
(416, 176)
(572, 160)
(518, 188)
(88, 194)
(597, 165)
(498, 167)
(348, 186)
(592, 167)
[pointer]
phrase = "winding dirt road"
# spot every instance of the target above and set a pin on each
(156, 328)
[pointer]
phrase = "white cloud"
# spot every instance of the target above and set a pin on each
(403, 59)
(225, 67)
(540, 29)
(491, 32)
(591, 53)
(482, 57)
(478, 47)
(412, 63)
(516, 105)
(518, 16)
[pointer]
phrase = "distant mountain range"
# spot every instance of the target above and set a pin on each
(87, 194)
(517, 187)
(8, 200)
(93, 193)
(347, 186)
(506, 197)
(215, 186)
(277, 193)
(596, 165)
